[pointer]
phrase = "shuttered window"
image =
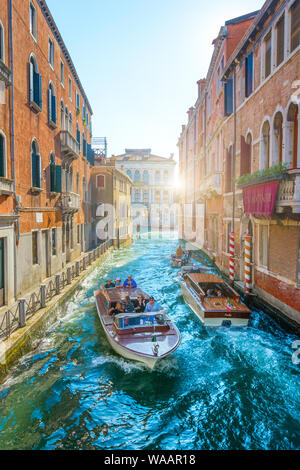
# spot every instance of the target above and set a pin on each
(228, 97)
(36, 168)
(100, 181)
(245, 157)
(2, 156)
(229, 172)
(35, 85)
(280, 41)
(268, 49)
(295, 25)
(78, 138)
(1, 43)
(249, 75)
(55, 178)
(52, 105)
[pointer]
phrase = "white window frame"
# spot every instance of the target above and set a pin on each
(62, 76)
(33, 27)
(51, 52)
(70, 88)
(5, 153)
(2, 39)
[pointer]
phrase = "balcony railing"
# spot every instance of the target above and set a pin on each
(6, 186)
(289, 192)
(69, 145)
(70, 202)
(5, 73)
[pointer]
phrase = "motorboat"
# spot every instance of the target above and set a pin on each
(179, 261)
(214, 301)
(144, 337)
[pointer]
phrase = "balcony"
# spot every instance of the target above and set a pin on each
(6, 186)
(5, 74)
(69, 146)
(69, 202)
(288, 197)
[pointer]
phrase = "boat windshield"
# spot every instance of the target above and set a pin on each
(127, 321)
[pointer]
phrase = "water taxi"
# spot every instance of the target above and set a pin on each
(214, 301)
(144, 337)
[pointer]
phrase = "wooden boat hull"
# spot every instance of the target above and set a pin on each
(137, 341)
(207, 318)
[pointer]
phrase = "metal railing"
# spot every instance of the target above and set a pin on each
(69, 145)
(17, 315)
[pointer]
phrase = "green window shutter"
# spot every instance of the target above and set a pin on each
(52, 177)
(58, 179)
(53, 109)
(2, 156)
(228, 97)
(49, 105)
(34, 169)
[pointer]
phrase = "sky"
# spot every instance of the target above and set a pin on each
(139, 61)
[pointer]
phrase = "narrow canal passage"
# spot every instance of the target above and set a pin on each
(222, 389)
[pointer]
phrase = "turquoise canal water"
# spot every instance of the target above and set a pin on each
(222, 389)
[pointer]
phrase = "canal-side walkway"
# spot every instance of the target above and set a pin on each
(27, 319)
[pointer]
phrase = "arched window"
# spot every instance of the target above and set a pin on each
(51, 105)
(36, 165)
(146, 177)
(2, 155)
(265, 146)
(2, 43)
(245, 154)
(157, 177)
(277, 138)
(292, 137)
(129, 174)
(137, 177)
(35, 85)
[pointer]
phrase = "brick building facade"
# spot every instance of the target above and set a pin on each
(45, 151)
(250, 139)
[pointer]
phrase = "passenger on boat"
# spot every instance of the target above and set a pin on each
(219, 293)
(179, 252)
(153, 306)
(109, 284)
(141, 304)
(210, 293)
(116, 310)
(128, 305)
(130, 283)
(118, 283)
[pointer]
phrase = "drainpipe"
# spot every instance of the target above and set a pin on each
(234, 147)
(205, 155)
(12, 140)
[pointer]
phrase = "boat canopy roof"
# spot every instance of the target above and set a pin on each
(201, 278)
(118, 294)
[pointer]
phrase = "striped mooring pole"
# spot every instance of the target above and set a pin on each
(231, 257)
(247, 286)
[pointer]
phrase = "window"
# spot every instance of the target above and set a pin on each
(35, 85)
(33, 22)
(263, 245)
(2, 48)
(137, 177)
(70, 88)
(277, 138)
(35, 166)
(137, 196)
(295, 25)
(100, 181)
(280, 41)
(54, 241)
(78, 136)
(62, 73)
(265, 146)
(292, 130)
(84, 145)
(166, 176)
(55, 176)
(146, 196)
(77, 102)
(35, 259)
(267, 54)
(146, 177)
(51, 53)
(157, 197)
(245, 155)
(51, 106)
(229, 171)
(249, 74)
(166, 197)
(2, 156)
(157, 177)
(228, 96)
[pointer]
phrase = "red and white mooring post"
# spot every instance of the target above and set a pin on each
(231, 257)
(247, 264)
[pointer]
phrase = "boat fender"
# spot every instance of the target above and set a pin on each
(155, 349)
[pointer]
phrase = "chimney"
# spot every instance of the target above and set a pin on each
(201, 85)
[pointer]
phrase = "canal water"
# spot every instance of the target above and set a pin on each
(222, 389)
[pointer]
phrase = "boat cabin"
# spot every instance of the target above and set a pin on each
(128, 323)
(211, 286)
